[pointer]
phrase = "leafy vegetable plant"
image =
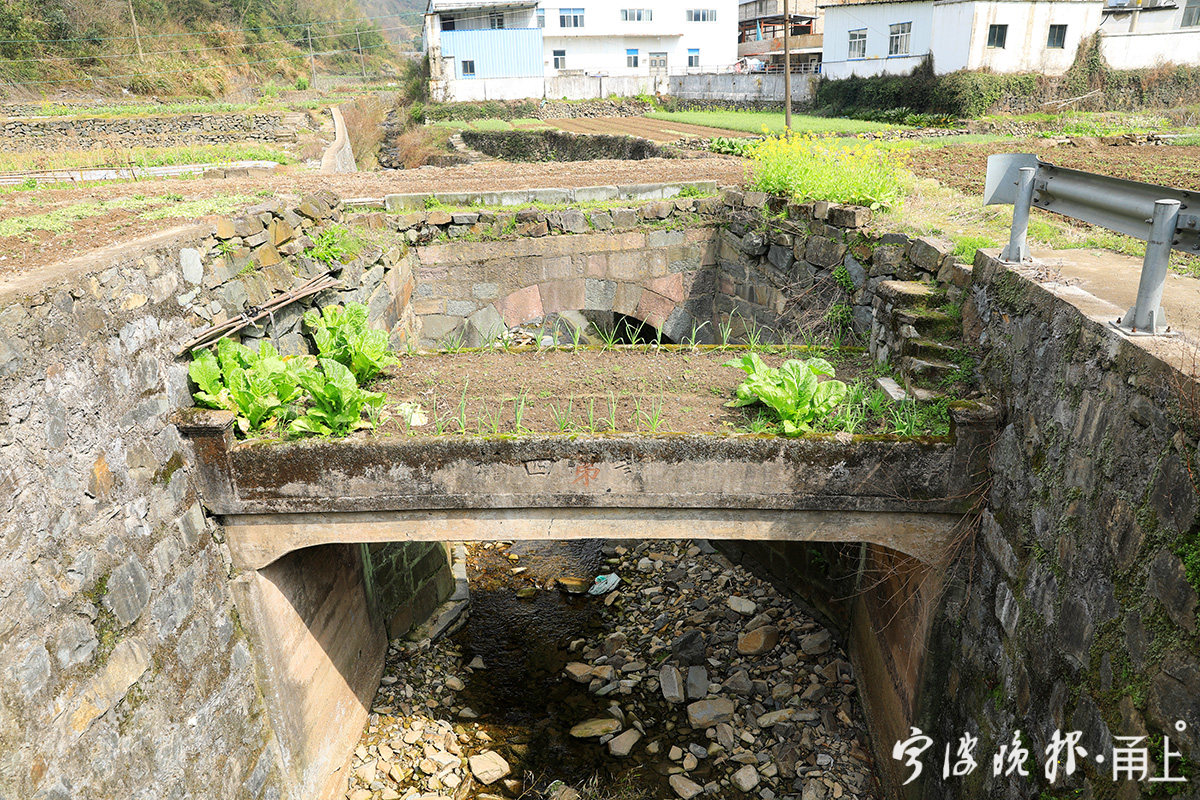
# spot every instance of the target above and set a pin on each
(342, 334)
(337, 401)
(259, 387)
(792, 390)
(333, 246)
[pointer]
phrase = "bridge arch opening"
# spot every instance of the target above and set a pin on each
(533, 660)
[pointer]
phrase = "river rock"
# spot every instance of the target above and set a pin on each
(671, 683)
(745, 779)
(685, 788)
(815, 644)
(621, 746)
(703, 713)
(595, 728)
(697, 683)
(772, 718)
(454, 684)
(739, 683)
(742, 606)
(573, 585)
(488, 767)
(759, 641)
(813, 790)
(580, 673)
(690, 648)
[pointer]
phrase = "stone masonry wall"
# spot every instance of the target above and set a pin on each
(1077, 607)
(183, 129)
(123, 668)
(410, 579)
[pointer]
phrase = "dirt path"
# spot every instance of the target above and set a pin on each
(69, 236)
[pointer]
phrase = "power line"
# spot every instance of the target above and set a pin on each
(213, 30)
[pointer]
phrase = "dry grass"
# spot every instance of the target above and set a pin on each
(364, 124)
(417, 147)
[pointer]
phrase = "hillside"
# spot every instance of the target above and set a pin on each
(404, 29)
(204, 48)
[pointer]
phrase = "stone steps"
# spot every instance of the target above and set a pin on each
(927, 370)
(930, 323)
(928, 349)
(909, 294)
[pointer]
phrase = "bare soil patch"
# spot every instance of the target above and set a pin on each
(643, 390)
(963, 166)
(657, 130)
(43, 248)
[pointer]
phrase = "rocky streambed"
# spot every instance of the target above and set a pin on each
(692, 679)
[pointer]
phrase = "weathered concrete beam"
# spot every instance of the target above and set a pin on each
(256, 540)
(903, 494)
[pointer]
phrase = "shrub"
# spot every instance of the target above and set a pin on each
(810, 169)
(895, 97)
(301, 83)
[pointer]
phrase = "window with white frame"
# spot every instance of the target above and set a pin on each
(560, 59)
(570, 18)
(701, 15)
(997, 36)
(541, 18)
(1191, 14)
(1056, 39)
(693, 57)
(858, 44)
(899, 38)
(637, 15)
(468, 69)
(496, 20)
(631, 58)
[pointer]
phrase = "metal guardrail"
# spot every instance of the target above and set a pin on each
(1165, 218)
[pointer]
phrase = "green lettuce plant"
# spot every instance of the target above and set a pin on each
(342, 334)
(258, 387)
(337, 401)
(792, 390)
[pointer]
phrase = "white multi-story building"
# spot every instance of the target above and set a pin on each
(868, 37)
(761, 28)
(496, 50)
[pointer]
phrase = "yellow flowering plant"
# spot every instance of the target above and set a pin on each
(807, 168)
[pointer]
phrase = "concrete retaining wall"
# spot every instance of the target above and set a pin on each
(742, 88)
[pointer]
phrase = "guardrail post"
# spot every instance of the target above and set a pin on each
(1147, 316)
(1018, 245)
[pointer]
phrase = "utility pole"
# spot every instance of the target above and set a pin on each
(312, 63)
(137, 36)
(787, 67)
(361, 63)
